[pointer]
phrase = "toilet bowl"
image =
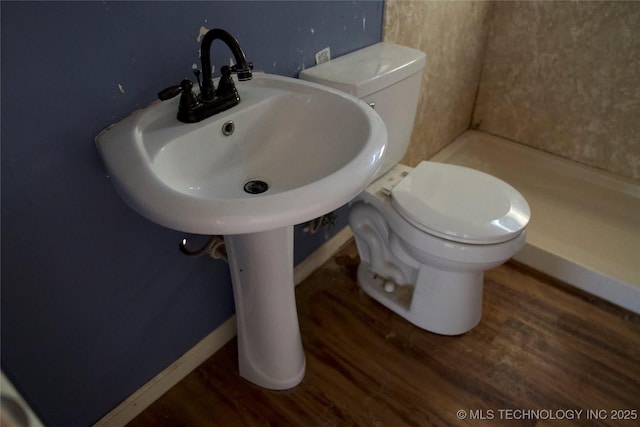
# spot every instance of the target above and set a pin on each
(425, 237)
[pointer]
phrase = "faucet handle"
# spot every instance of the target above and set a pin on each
(170, 92)
(188, 100)
(226, 86)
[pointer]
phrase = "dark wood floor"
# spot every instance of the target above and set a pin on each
(541, 346)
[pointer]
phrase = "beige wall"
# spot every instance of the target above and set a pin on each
(565, 77)
(453, 35)
(560, 76)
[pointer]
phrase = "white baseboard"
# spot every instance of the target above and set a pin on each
(161, 383)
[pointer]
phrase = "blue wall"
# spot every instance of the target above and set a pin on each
(96, 300)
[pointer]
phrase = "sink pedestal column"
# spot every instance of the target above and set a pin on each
(270, 352)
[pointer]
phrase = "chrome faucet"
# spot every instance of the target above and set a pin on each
(194, 108)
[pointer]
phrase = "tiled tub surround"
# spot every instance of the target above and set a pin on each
(565, 77)
(585, 224)
(453, 35)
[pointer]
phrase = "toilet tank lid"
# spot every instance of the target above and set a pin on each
(367, 70)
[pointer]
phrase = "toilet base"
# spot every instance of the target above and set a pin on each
(444, 302)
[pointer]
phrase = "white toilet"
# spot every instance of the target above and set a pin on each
(425, 235)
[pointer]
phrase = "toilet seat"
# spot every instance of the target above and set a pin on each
(460, 204)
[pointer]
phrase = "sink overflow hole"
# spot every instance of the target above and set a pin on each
(255, 186)
(228, 128)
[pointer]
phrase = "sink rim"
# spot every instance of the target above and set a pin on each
(139, 185)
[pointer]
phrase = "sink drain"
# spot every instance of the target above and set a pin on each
(255, 186)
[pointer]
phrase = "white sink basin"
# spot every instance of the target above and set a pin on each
(310, 148)
(314, 147)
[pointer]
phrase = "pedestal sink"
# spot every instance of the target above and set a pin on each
(289, 152)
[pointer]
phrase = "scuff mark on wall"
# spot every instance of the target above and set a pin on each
(120, 88)
(203, 31)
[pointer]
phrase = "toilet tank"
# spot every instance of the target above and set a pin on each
(387, 77)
